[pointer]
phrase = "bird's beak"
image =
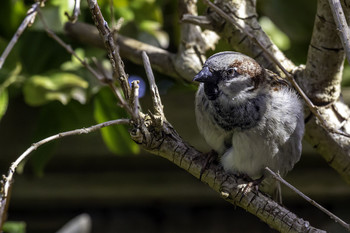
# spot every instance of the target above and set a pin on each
(204, 75)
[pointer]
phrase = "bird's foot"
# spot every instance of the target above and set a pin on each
(251, 185)
(211, 157)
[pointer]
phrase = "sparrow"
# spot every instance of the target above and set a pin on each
(250, 116)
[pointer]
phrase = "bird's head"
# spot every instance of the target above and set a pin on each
(229, 73)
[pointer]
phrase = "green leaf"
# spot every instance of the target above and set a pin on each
(277, 36)
(3, 102)
(12, 13)
(14, 227)
(39, 90)
(116, 137)
(39, 53)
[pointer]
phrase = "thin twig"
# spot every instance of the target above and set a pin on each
(68, 47)
(308, 199)
(76, 12)
(111, 9)
(272, 58)
(135, 96)
(106, 77)
(113, 53)
(202, 21)
(29, 19)
(158, 107)
(102, 78)
(342, 26)
(8, 180)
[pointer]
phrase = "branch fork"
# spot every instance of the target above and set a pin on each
(156, 135)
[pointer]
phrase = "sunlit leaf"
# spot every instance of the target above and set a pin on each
(277, 36)
(14, 12)
(3, 102)
(14, 227)
(40, 89)
(117, 138)
(346, 75)
(120, 3)
(153, 28)
(54, 15)
(126, 13)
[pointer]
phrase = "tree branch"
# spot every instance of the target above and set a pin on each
(160, 138)
(28, 20)
(113, 54)
(169, 145)
(243, 18)
(76, 12)
(342, 26)
(308, 199)
(331, 136)
(161, 60)
(321, 79)
(193, 42)
(324, 67)
(7, 181)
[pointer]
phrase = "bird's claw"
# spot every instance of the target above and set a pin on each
(211, 156)
(250, 186)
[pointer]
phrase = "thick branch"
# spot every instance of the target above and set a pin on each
(321, 81)
(244, 14)
(325, 59)
(160, 138)
(342, 25)
(161, 60)
(335, 147)
(113, 54)
(7, 181)
(194, 43)
(170, 146)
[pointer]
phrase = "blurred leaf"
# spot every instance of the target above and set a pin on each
(39, 90)
(74, 63)
(276, 35)
(116, 137)
(6, 79)
(120, 3)
(140, 17)
(153, 28)
(39, 53)
(3, 102)
(126, 13)
(12, 60)
(346, 75)
(14, 227)
(12, 14)
(299, 31)
(54, 15)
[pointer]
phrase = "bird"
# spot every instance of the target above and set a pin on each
(249, 115)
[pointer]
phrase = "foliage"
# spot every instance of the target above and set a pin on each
(44, 75)
(14, 227)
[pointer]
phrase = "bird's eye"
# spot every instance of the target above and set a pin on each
(232, 71)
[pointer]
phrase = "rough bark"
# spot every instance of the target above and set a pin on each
(321, 79)
(244, 13)
(168, 144)
(333, 147)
